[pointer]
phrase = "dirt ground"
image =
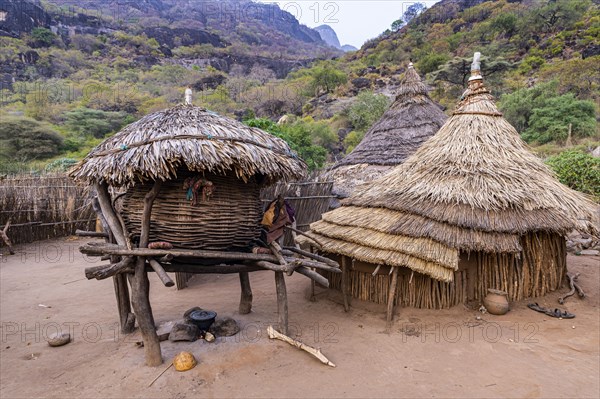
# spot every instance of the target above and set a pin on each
(449, 353)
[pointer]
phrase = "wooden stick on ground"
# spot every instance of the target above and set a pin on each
(158, 376)
(4, 235)
(273, 334)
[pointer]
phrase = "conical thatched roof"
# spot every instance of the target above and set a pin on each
(474, 186)
(187, 136)
(405, 126)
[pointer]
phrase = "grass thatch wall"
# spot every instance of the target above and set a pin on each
(541, 268)
(43, 207)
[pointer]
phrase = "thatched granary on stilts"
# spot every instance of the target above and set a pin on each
(410, 121)
(471, 209)
(178, 191)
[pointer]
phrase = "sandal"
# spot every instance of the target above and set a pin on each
(560, 314)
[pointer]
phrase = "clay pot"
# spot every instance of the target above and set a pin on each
(496, 302)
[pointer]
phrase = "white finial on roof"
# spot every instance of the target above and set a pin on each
(410, 64)
(188, 96)
(476, 67)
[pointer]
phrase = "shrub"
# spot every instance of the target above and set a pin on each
(578, 170)
(551, 121)
(431, 62)
(366, 110)
(25, 139)
(299, 136)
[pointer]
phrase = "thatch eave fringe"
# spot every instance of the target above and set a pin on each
(380, 257)
(159, 144)
(396, 222)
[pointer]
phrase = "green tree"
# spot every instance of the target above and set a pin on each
(551, 122)
(366, 110)
(578, 170)
(457, 70)
(298, 135)
(397, 24)
(87, 121)
(41, 37)
(519, 105)
(325, 77)
(25, 139)
(431, 62)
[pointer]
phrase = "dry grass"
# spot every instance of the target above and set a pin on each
(192, 138)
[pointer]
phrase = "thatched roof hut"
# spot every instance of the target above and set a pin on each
(405, 126)
(185, 136)
(187, 142)
(186, 199)
(473, 208)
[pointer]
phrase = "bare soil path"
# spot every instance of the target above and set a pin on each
(449, 353)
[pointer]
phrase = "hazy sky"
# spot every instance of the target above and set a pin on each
(355, 21)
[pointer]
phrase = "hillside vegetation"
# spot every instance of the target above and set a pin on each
(72, 89)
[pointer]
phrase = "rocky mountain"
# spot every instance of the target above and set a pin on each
(194, 22)
(329, 36)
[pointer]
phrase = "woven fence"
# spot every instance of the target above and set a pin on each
(43, 207)
(310, 199)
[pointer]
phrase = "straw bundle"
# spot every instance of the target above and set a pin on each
(473, 187)
(190, 138)
(404, 127)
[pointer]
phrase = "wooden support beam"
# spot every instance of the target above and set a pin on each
(271, 266)
(314, 264)
(320, 244)
(313, 256)
(121, 250)
(314, 276)
(390, 300)
(246, 293)
(344, 282)
(102, 272)
(161, 273)
(126, 317)
(140, 285)
(109, 214)
(7, 241)
(82, 233)
(282, 302)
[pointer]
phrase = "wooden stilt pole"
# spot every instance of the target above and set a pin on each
(313, 296)
(126, 317)
(345, 282)
(140, 286)
(246, 295)
(282, 303)
(4, 236)
(390, 300)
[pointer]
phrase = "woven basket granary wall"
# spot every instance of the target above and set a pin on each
(228, 219)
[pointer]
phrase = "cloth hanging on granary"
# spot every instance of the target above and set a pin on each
(196, 185)
(278, 214)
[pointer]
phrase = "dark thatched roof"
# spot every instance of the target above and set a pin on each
(474, 186)
(185, 136)
(405, 126)
(409, 122)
